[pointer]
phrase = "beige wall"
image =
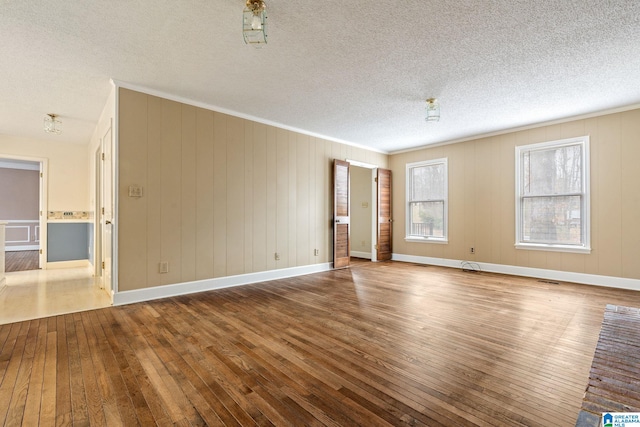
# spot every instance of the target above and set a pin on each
(482, 198)
(20, 201)
(221, 194)
(19, 194)
(360, 193)
(68, 188)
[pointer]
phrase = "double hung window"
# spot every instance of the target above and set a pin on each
(552, 196)
(427, 201)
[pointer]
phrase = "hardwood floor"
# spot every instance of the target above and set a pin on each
(21, 261)
(614, 380)
(377, 344)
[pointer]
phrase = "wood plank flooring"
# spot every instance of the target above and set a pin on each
(21, 261)
(614, 380)
(378, 344)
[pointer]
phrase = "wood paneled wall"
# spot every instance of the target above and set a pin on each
(482, 198)
(221, 194)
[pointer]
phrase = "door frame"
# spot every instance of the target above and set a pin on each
(374, 201)
(98, 217)
(111, 287)
(42, 202)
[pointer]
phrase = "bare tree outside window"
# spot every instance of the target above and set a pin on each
(552, 194)
(427, 199)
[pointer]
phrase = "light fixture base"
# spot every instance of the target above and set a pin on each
(254, 23)
(433, 110)
(52, 124)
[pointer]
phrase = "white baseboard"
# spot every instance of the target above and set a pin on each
(21, 248)
(563, 276)
(365, 255)
(147, 294)
(68, 264)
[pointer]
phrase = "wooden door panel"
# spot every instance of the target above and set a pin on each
(341, 220)
(385, 219)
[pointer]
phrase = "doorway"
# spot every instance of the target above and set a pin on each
(361, 191)
(363, 208)
(24, 209)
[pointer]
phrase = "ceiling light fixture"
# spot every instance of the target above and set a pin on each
(254, 23)
(433, 110)
(52, 124)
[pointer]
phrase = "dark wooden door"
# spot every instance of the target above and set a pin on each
(341, 224)
(384, 215)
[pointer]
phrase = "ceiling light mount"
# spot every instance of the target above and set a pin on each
(52, 124)
(433, 110)
(254, 23)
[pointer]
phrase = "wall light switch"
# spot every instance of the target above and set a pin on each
(135, 191)
(365, 205)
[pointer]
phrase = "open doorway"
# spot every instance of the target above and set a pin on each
(353, 205)
(362, 201)
(23, 203)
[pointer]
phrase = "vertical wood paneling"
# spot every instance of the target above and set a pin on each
(204, 194)
(507, 199)
(171, 189)
(591, 129)
(153, 192)
(630, 194)
(132, 234)
(483, 203)
(293, 206)
(303, 211)
(272, 191)
(188, 194)
(327, 202)
(235, 196)
(524, 138)
(248, 207)
(615, 148)
(457, 203)
(496, 205)
(282, 198)
(220, 195)
(314, 236)
(260, 205)
(609, 208)
(471, 189)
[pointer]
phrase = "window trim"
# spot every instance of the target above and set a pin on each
(585, 247)
(445, 231)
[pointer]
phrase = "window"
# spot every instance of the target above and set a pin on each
(552, 196)
(427, 201)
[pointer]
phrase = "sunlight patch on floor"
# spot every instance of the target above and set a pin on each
(43, 293)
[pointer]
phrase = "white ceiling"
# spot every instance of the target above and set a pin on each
(352, 71)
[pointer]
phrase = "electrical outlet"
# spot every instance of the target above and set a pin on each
(363, 243)
(163, 267)
(316, 252)
(277, 256)
(472, 250)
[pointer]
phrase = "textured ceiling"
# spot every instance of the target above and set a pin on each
(357, 72)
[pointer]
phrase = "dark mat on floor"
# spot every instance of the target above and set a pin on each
(614, 380)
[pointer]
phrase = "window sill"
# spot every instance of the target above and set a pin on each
(553, 248)
(425, 240)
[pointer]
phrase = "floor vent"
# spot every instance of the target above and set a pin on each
(551, 282)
